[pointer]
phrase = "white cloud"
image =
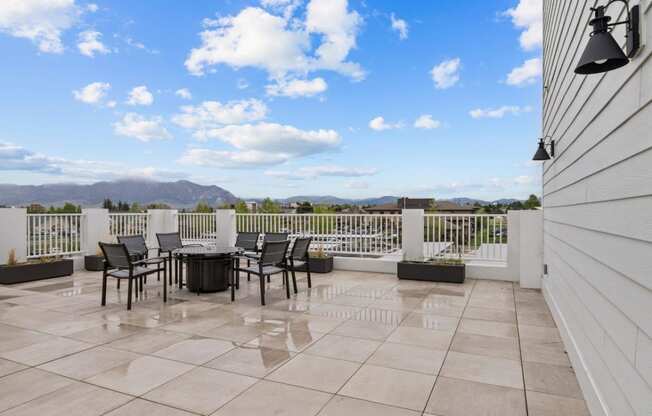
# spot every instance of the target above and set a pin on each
(141, 128)
(92, 7)
(525, 74)
(93, 93)
(499, 112)
(262, 144)
(528, 15)
(297, 88)
(16, 158)
(184, 93)
(277, 138)
(242, 84)
(140, 96)
(228, 159)
(357, 185)
(523, 180)
(446, 74)
(400, 26)
(111, 104)
(213, 114)
(41, 21)
(313, 172)
(281, 45)
(88, 43)
(379, 124)
(426, 122)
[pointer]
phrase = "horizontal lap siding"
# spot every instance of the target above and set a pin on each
(598, 211)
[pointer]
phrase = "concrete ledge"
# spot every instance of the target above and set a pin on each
(358, 264)
(485, 271)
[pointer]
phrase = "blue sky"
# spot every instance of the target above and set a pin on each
(275, 97)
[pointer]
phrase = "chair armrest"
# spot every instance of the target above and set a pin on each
(144, 261)
(193, 245)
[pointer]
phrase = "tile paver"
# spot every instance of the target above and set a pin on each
(356, 343)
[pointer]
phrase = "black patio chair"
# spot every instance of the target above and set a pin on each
(271, 261)
(167, 243)
(138, 250)
(267, 238)
(118, 264)
(249, 242)
(299, 260)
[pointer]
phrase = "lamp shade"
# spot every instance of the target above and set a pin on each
(541, 153)
(602, 54)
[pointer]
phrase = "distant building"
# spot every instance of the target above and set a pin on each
(426, 204)
(252, 206)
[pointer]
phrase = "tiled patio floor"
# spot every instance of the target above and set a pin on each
(356, 344)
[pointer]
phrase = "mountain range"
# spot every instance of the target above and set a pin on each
(179, 194)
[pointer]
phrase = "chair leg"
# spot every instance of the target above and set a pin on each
(294, 281)
(118, 284)
(286, 278)
(171, 269)
(158, 274)
(232, 283)
(129, 294)
(104, 288)
(180, 274)
(248, 274)
(308, 273)
(262, 289)
(142, 281)
(165, 285)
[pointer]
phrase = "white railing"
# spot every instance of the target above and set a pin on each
(359, 234)
(471, 237)
(128, 224)
(53, 234)
(198, 227)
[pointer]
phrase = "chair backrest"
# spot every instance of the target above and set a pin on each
(301, 247)
(135, 243)
(274, 237)
(169, 241)
(116, 255)
(274, 252)
(247, 241)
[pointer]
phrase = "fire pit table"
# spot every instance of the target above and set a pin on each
(208, 268)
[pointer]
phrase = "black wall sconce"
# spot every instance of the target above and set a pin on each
(542, 153)
(603, 53)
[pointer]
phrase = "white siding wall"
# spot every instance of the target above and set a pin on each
(598, 210)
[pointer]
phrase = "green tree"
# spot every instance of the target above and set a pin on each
(304, 208)
(203, 208)
(241, 207)
(135, 207)
(158, 206)
(270, 207)
(532, 202)
(108, 204)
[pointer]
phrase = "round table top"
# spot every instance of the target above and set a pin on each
(210, 250)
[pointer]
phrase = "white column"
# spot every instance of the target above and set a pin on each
(95, 228)
(514, 245)
(226, 227)
(13, 233)
(413, 223)
(531, 239)
(161, 221)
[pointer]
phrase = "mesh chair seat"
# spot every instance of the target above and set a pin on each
(135, 244)
(138, 271)
(267, 270)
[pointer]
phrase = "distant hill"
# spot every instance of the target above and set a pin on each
(178, 194)
(333, 200)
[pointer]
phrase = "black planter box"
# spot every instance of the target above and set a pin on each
(94, 263)
(446, 273)
(319, 265)
(35, 271)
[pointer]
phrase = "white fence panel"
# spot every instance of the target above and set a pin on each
(128, 224)
(471, 236)
(355, 234)
(199, 227)
(53, 234)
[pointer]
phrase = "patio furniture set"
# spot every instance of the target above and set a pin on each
(208, 267)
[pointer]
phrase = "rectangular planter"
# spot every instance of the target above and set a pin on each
(319, 265)
(94, 263)
(35, 271)
(454, 273)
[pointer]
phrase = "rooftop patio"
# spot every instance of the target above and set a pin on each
(356, 343)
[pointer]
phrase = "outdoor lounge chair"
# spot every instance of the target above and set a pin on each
(118, 263)
(167, 243)
(138, 250)
(299, 260)
(267, 238)
(271, 261)
(249, 242)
